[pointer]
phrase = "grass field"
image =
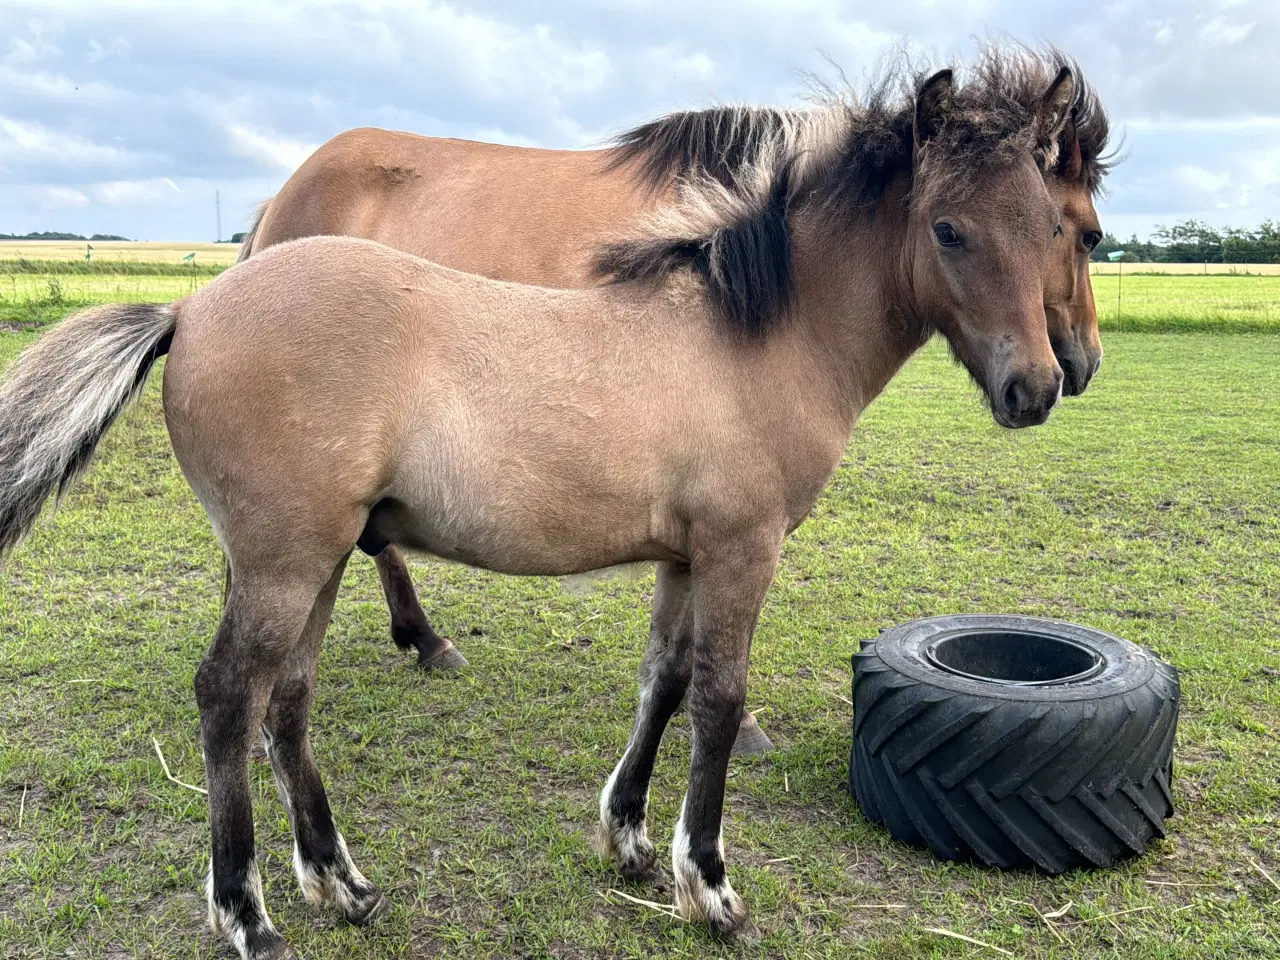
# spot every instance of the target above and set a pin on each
(1188, 269)
(1149, 507)
(1210, 303)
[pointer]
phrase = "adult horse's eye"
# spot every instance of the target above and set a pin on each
(1057, 230)
(1091, 239)
(946, 235)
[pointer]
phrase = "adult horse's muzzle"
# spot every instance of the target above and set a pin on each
(1078, 365)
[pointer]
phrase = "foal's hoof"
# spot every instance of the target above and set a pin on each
(450, 658)
(648, 875)
(751, 741)
(368, 910)
(742, 930)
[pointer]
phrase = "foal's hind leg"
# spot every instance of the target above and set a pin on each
(664, 675)
(320, 856)
(261, 624)
(409, 625)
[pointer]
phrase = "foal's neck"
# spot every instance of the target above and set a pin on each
(853, 300)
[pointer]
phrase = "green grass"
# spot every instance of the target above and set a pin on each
(1223, 304)
(1149, 507)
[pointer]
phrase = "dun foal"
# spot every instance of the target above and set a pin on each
(334, 393)
(537, 216)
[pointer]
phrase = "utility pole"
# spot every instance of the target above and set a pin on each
(217, 206)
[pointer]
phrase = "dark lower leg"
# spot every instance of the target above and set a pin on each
(232, 691)
(727, 598)
(664, 675)
(410, 628)
(320, 858)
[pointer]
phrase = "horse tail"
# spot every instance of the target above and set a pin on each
(62, 395)
(246, 245)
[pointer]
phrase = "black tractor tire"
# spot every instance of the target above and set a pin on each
(1014, 741)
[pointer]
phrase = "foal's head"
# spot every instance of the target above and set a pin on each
(980, 229)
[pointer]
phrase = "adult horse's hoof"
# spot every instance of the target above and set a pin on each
(751, 741)
(450, 658)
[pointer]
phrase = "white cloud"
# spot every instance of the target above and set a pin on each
(58, 197)
(1200, 179)
(268, 147)
(122, 193)
(31, 139)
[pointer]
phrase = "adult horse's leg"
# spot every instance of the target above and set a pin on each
(261, 624)
(727, 591)
(664, 675)
(409, 625)
(320, 856)
(751, 740)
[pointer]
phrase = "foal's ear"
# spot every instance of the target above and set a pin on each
(1055, 109)
(931, 106)
(1070, 160)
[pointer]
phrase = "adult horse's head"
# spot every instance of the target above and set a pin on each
(981, 227)
(1070, 312)
(1074, 167)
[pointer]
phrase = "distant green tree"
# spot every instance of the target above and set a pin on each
(1190, 241)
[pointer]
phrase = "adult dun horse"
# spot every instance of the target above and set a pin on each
(333, 392)
(536, 216)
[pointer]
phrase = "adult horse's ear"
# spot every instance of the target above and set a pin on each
(1070, 160)
(1055, 110)
(931, 106)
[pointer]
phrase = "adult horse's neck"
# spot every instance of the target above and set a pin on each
(853, 298)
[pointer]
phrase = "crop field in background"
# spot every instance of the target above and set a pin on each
(120, 251)
(1149, 507)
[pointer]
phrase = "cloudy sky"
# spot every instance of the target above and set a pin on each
(124, 116)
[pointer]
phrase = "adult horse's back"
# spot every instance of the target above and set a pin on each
(509, 213)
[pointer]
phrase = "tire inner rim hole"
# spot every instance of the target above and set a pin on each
(1014, 657)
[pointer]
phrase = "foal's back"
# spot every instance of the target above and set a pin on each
(337, 372)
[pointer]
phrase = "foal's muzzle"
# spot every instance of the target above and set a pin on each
(1025, 400)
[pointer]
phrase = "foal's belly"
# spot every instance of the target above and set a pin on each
(523, 508)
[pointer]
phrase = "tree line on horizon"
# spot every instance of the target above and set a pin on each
(51, 235)
(1194, 241)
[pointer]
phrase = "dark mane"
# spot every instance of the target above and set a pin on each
(739, 172)
(1020, 73)
(715, 142)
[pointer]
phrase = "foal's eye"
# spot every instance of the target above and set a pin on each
(1057, 230)
(1091, 239)
(946, 235)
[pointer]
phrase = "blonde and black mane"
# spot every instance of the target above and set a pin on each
(739, 171)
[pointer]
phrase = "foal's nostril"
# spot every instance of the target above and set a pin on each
(1015, 397)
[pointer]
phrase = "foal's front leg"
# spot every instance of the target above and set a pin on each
(728, 589)
(664, 675)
